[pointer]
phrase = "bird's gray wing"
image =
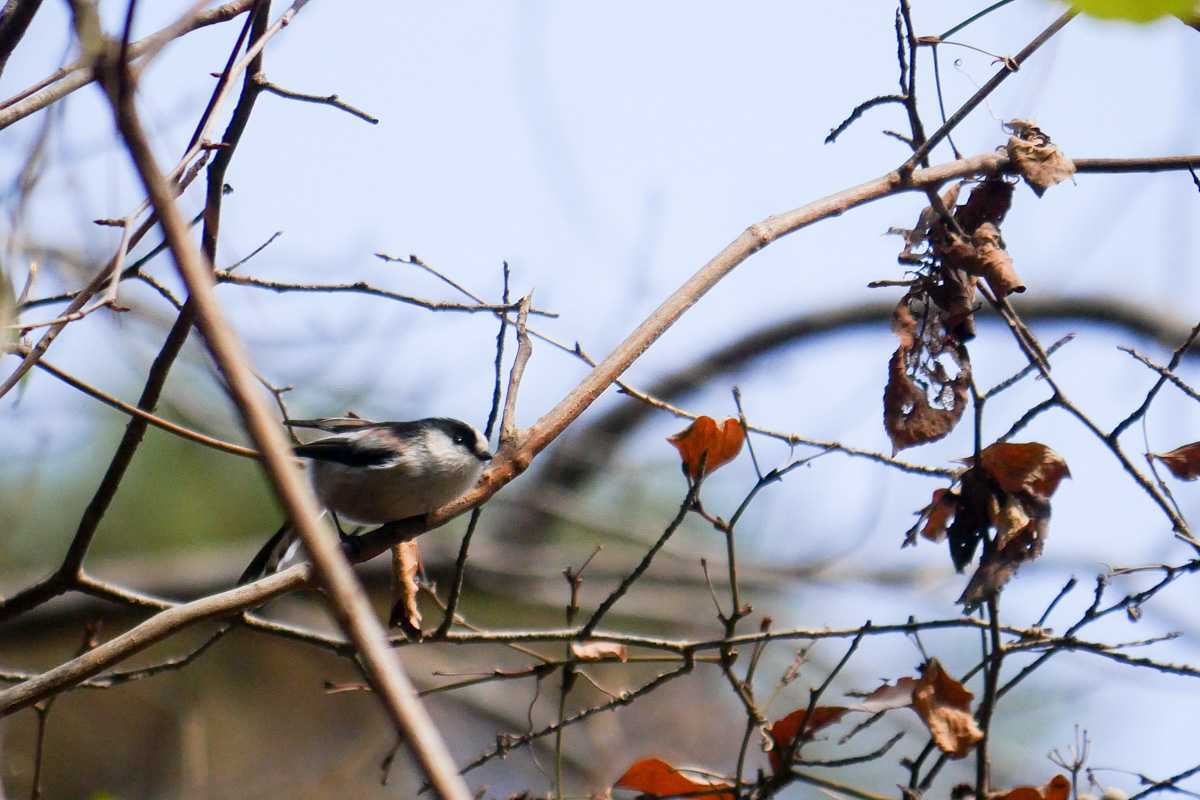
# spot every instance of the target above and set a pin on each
(372, 449)
(331, 424)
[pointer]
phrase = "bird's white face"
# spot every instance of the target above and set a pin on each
(409, 469)
(456, 445)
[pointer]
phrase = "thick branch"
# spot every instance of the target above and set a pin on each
(347, 599)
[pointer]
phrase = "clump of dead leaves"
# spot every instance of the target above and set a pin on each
(930, 371)
(951, 248)
(1009, 491)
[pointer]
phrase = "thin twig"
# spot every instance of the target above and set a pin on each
(327, 100)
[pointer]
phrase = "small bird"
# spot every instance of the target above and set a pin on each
(377, 472)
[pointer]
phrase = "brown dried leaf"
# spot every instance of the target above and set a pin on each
(922, 402)
(703, 442)
(599, 651)
(795, 724)
(887, 697)
(944, 705)
(1039, 160)
(938, 514)
(955, 294)
(916, 238)
(406, 561)
(656, 778)
(993, 263)
(989, 202)
(1020, 545)
(1030, 467)
(1059, 788)
(1184, 462)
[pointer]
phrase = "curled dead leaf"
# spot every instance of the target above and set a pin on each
(654, 777)
(705, 446)
(599, 651)
(1036, 158)
(944, 705)
(797, 725)
(994, 263)
(1184, 462)
(916, 238)
(1024, 467)
(939, 513)
(406, 561)
(928, 376)
(988, 202)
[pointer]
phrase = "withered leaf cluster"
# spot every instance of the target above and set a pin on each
(1009, 491)
(930, 371)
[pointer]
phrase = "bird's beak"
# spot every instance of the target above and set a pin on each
(484, 456)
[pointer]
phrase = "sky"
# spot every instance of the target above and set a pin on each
(607, 151)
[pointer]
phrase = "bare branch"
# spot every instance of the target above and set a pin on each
(327, 100)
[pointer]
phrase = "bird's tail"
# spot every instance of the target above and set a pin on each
(277, 549)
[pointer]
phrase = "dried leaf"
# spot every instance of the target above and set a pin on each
(1039, 161)
(786, 730)
(954, 293)
(989, 202)
(1059, 788)
(704, 442)
(923, 401)
(970, 519)
(406, 561)
(983, 255)
(993, 262)
(1001, 564)
(656, 778)
(916, 238)
(599, 651)
(1184, 462)
(1030, 467)
(887, 697)
(940, 510)
(944, 705)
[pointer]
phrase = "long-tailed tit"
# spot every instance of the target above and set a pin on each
(377, 472)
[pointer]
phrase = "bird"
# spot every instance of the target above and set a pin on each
(378, 472)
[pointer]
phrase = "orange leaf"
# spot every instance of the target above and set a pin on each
(944, 705)
(1184, 462)
(785, 730)
(1028, 467)
(940, 509)
(657, 778)
(599, 651)
(704, 442)
(1059, 788)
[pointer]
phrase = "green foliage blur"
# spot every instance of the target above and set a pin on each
(175, 496)
(1136, 10)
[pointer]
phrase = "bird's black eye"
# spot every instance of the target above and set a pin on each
(459, 440)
